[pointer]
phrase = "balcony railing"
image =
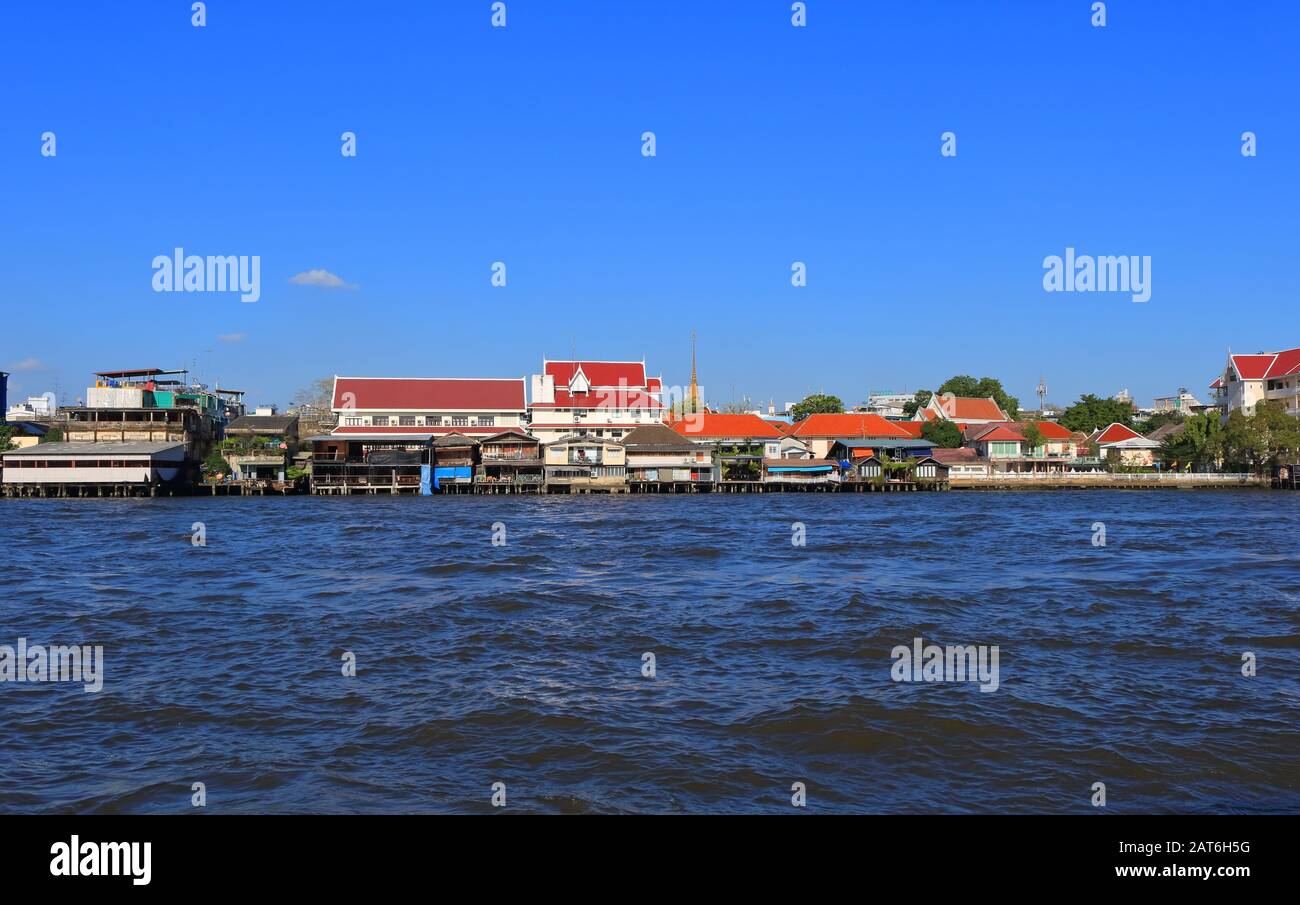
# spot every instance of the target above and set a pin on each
(341, 474)
(513, 479)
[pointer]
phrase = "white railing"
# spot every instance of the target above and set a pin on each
(1179, 477)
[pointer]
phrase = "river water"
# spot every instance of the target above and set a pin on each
(523, 661)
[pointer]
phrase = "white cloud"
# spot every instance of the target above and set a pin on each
(231, 337)
(322, 278)
(27, 364)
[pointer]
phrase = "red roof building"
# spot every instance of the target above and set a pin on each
(962, 409)
(1113, 433)
(1115, 441)
(418, 408)
(716, 426)
(1248, 380)
(595, 398)
(820, 431)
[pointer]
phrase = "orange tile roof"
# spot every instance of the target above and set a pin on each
(1049, 429)
(1000, 432)
(712, 424)
(848, 425)
(971, 408)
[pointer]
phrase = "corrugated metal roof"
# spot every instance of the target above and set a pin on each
(276, 423)
(99, 450)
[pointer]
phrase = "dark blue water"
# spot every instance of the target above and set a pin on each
(522, 663)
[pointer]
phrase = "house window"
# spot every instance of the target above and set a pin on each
(460, 420)
(353, 421)
(406, 420)
(925, 471)
(486, 421)
(432, 420)
(1004, 449)
(380, 421)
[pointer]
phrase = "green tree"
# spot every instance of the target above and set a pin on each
(1092, 412)
(816, 404)
(1197, 445)
(216, 462)
(53, 435)
(1160, 419)
(919, 401)
(984, 387)
(943, 434)
(1268, 436)
(1033, 437)
(6, 438)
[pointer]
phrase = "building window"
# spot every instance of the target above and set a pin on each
(406, 420)
(353, 421)
(380, 421)
(486, 421)
(460, 420)
(432, 420)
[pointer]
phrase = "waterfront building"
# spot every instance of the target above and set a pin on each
(1055, 454)
(387, 427)
(145, 406)
(258, 465)
(265, 431)
(850, 449)
(455, 457)
(81, 468)
(962, 462)
(739, 442)
(821, 431)
(510, 460)
(661, 457)
(962, 410)
(1124, 445)
(581, 463)
(395, 407)
(593, 398)
(800, 473)
(1249, 379)
(1002, 444)
(923, 471)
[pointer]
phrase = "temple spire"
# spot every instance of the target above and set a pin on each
(693, 399)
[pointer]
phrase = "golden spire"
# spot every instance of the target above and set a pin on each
(693, 400)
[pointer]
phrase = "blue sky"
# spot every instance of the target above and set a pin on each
(775, 144)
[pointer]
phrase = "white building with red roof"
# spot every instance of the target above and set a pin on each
(593, 398)
(421, 408)
(1125, 444)
(1249, 379)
